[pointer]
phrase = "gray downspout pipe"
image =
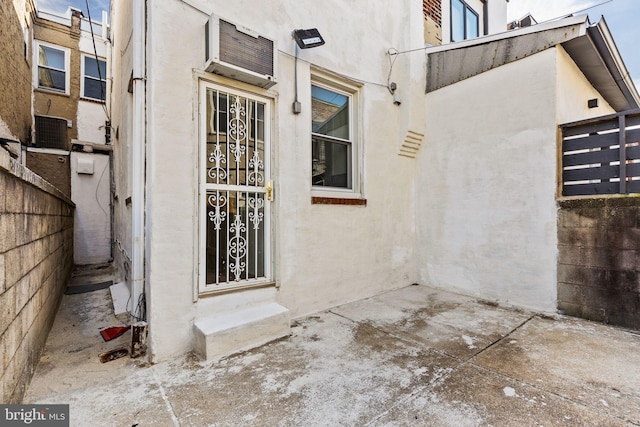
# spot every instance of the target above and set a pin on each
(485, 17)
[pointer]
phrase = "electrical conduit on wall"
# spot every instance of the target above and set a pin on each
(139, 151)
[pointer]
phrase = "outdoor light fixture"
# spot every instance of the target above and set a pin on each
(307, 39)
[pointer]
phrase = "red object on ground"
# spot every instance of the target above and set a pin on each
(114, 332)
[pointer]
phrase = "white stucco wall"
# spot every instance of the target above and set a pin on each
(487, 179)
(91, 114)
(91, 122)
(497, 10)
(479, 218)
(325, 255)
(487, 182)
(85, 44)
(120, 103)
(574, 92)
(90, 193)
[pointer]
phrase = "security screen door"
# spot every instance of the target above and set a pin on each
(235, 190)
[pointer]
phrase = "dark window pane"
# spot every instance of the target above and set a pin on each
(457, 20)
(91, 68)
(51, 57)
(330, 164)
(329, 113)
(94, 89)
(51, 79)
(223, 110)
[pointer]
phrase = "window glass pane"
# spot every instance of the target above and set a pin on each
(91, 68)
(330, 164)
(472, 24)
(94, 88)
(457, 20)
(51, 57)
(221, 110)
(256, 123)
(329, 113)
(51, 79)
(260, 126)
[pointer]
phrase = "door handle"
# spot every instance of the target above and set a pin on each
(269, 190)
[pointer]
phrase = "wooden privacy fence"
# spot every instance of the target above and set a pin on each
(601, 155)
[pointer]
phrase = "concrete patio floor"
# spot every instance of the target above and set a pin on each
(414, 356)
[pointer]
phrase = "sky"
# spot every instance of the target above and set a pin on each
(97, 6)
(621, 17)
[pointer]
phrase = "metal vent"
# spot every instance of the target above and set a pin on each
(51, 132)
(245, 51)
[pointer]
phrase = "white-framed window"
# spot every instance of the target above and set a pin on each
(94, 78)
(465, 22)
(334, 135)
(52, 71)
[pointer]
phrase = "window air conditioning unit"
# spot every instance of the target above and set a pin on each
(51, 132)
(239, 53)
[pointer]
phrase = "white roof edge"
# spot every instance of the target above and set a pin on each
(612, 50)
(548, 25)
(54, 16)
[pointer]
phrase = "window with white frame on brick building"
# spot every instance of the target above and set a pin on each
(53, 67)
(94, 78)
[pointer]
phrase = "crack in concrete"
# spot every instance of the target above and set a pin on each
(399, 337)
(460, 362)
(522, 380)
(165, 398)
(422, 389)
(498, 340)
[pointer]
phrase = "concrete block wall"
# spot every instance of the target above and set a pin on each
(36, 259)
(599, 259)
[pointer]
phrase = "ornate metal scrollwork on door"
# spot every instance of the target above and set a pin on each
(234, 190)
(237, 129)
(237, 247)
(217, 215)
(217, 171)
(255, 216)
(256, 166)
